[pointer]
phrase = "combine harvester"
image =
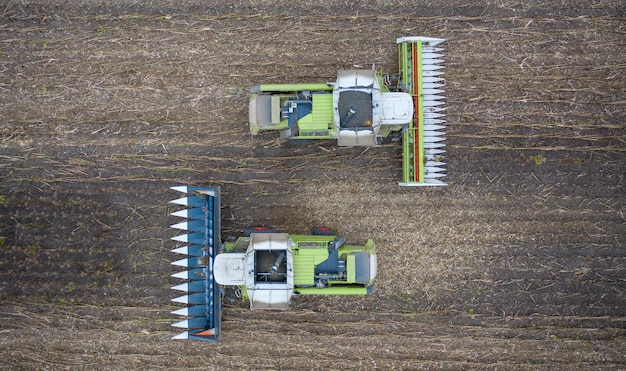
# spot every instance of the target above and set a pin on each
(361, 108)
(364, 107)
(266, 267)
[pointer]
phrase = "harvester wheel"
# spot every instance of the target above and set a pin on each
(323, 231)
(299, 142)
(258, 229)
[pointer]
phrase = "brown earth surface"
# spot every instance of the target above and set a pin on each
(520, 263)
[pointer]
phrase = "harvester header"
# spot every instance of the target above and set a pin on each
(366, 108)
(265, 267)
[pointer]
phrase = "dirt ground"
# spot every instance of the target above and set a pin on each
(520, 263)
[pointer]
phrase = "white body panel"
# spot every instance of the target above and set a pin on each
(229, 269)
(385, 108)
(397, 108)
(241, 269)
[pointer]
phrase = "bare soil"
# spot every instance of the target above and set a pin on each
(519, 264)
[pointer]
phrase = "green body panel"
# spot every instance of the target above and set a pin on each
(350, 268)
(319, 123)
(418, 151)
(333, 290)
(292, 87)
(410, 61)
(322, 111)
(407, 138)
(316, 125)
(304, 268)
(381, 82)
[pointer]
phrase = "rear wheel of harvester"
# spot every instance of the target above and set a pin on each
(323, 231)
(258, 229)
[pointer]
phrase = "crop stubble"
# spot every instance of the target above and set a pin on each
(518, 263)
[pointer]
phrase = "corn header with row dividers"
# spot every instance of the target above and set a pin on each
(367, 108)
(266, 267)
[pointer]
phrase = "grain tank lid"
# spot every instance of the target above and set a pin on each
(269, 241)
(277, 299)
(356, 79)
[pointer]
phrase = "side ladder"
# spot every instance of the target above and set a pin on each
(201, 244)
(421, 69)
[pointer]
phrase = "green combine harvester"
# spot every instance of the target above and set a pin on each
(361, 108)
(266, 268)
(365, 108)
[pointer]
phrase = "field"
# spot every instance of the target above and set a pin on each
(520, 263)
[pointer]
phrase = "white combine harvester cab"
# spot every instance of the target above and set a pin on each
(360, 108)
(266, 270)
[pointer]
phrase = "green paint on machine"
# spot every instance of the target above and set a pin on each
(266, 266)
(366, 108)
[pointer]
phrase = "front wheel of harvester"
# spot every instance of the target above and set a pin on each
(258, 229)
(323, 231)
(232, 294)
(299, 142)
